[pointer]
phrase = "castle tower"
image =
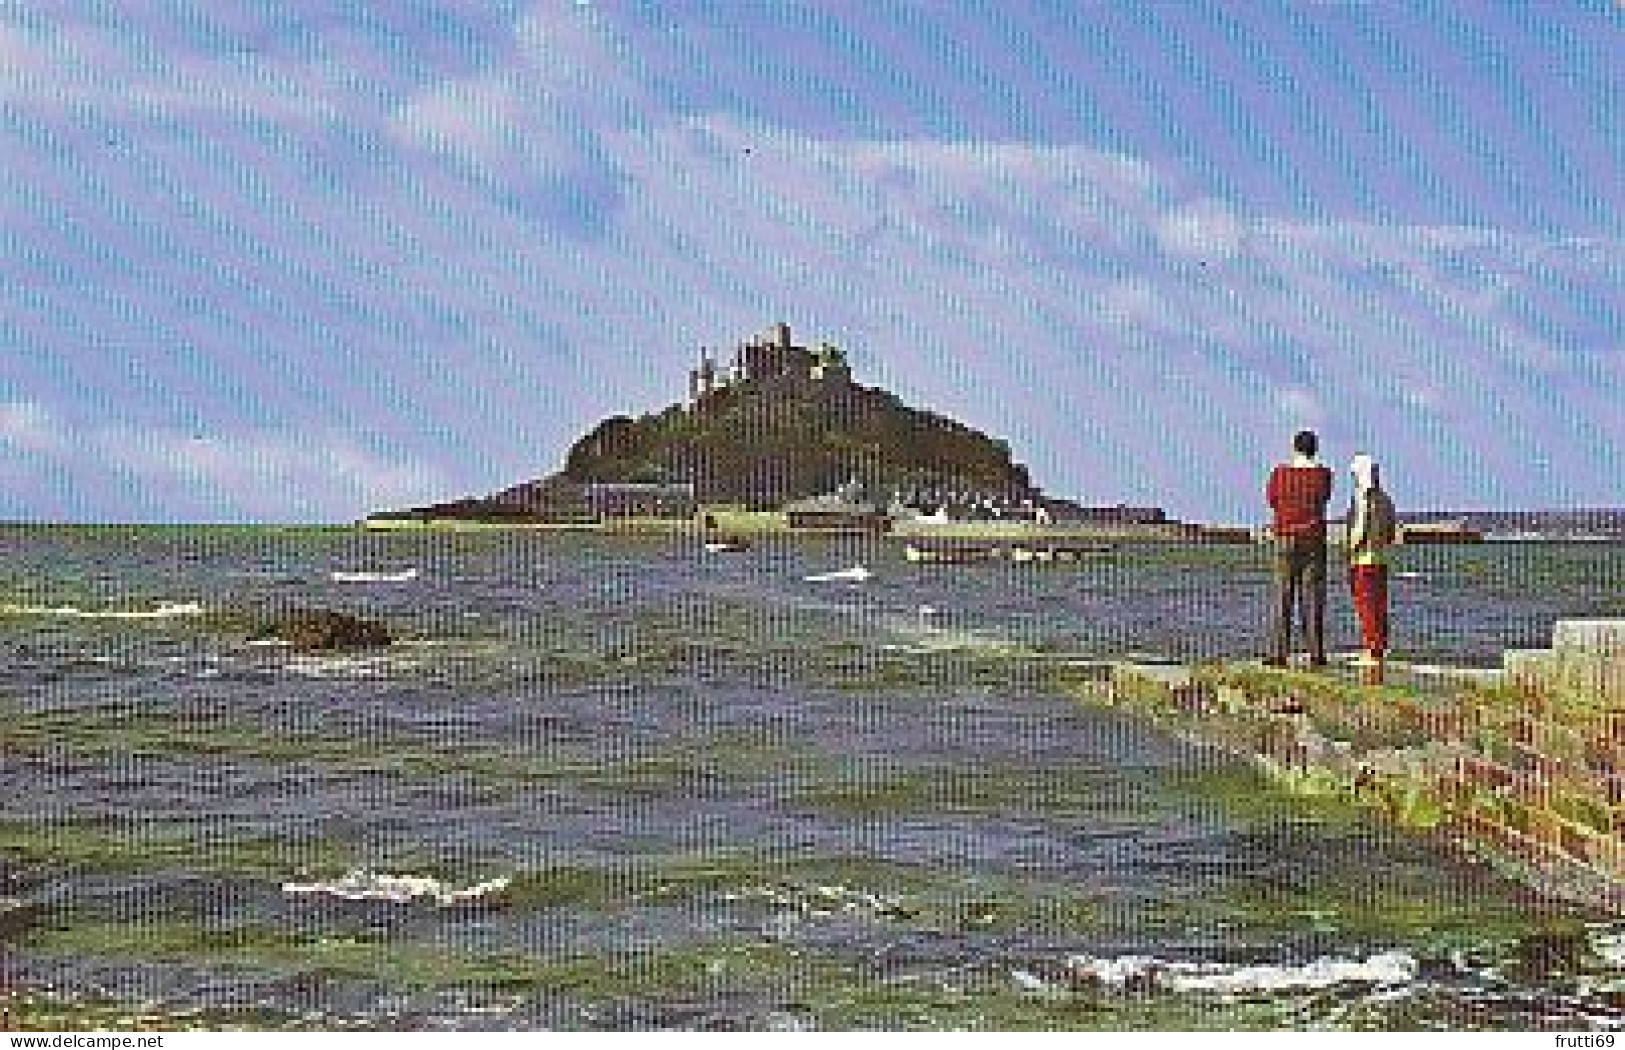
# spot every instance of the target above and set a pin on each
(702, 379)
(829, 364)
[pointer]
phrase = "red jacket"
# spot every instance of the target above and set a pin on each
(1298, 495)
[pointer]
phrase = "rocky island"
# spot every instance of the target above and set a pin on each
(782, 436)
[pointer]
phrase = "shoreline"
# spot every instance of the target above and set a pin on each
(1519, 768)
(766, 524)
(750, 526)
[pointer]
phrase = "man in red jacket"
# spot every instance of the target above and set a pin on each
(1298, 493)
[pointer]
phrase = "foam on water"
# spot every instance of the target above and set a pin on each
(349, 666)
(362, 884)
(362, 576)
(164, 611)
(817, 901)
(1382, 969)
(944, 641)
(1610, 948)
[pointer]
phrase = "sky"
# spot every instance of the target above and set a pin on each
(299, 261)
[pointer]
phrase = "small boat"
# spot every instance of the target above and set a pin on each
(856, 574)
(729, 546)
(958, 554)
(1057, 552)
(374, 577)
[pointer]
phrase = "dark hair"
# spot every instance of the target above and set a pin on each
(1306, 442)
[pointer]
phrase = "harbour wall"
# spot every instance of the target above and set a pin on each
(1522, 769)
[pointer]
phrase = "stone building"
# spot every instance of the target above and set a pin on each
(769, 357)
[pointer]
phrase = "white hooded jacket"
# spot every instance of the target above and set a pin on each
(1373, 524)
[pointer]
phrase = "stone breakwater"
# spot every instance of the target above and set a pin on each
(1524, 770)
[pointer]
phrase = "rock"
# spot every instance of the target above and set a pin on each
(18, 917)
(320, 629)
(1552, 950)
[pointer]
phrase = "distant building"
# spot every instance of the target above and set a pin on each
(844, 510)
(829, 364)
(703, 378)
(771, 356)
(1067, 512)
(1456, 531)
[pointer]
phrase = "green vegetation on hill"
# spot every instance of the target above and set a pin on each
(767, 443)
(782, 423)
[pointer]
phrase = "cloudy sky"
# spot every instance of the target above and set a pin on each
(300, 260)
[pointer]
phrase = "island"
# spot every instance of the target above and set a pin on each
(781, 437)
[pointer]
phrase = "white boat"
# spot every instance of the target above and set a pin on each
(374, 577)
(856, 574)
(726, 546)
(950, 554)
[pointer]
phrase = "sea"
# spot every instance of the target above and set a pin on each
(625, 783)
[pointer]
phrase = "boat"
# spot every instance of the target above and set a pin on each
(955, 554)
(1054, 552)
(373, 577)
(856, 574)
(726, 546)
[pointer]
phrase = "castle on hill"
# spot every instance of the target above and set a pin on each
(784, 427)
(770, 357)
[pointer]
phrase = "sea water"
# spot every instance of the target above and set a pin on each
(631, 784)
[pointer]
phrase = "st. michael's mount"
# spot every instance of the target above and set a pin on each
(784, 429)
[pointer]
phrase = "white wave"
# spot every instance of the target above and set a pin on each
(362, 884)
(1029, 981)
(856, 574)
(349, 666)
(360, 576)
(1382, 969)
(817, 901)
(947, 641)
(1610, 948)
(163, 611)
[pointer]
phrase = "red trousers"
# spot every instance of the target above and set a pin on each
(1370, 586)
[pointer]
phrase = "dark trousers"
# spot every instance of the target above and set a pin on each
(1300, 585)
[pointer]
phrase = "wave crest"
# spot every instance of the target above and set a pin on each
(163, 611)
(361, 884)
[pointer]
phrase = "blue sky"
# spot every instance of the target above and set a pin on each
(298, 261)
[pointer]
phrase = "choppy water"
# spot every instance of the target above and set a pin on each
(607, 783)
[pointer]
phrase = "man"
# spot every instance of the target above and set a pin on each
(1297, 494)
(1372, 527)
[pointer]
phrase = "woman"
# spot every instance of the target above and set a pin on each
(1372, 527)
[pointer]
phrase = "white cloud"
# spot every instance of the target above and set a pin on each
(1300, 406)
(1044, 292)
(1132, 303)
(268, 475)
(1204, 229)
(27, 427)
(261, 475)
(475, 120)
(541, 112)
(22, 57)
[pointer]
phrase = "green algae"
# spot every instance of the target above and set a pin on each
(647, 973)
(126, 734)
(946, 789)
(108, 844)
